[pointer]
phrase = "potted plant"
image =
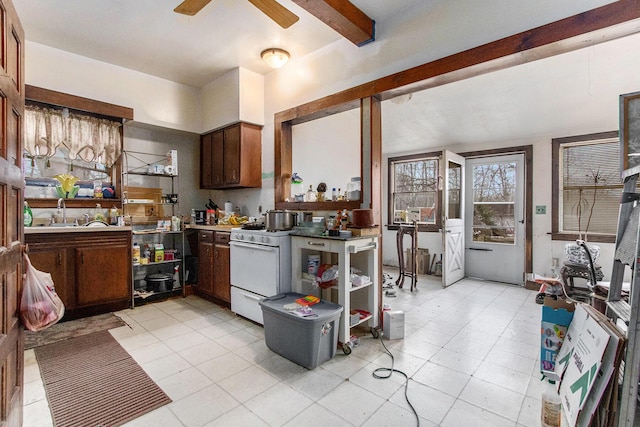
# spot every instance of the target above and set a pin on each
(575, 253)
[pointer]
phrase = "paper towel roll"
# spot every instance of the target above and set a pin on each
(228, 207)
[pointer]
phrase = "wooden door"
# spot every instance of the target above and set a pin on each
(205, 161)
(59, 263)
(232, 155)
(217, 159)
(11, 224)
(102, 274)
(205, 266)
(221, 273)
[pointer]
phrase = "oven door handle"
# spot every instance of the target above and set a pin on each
(251, 297)
(253, 246)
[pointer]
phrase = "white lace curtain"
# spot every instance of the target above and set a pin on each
(88, 138)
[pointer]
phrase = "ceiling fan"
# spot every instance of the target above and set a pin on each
(274, 10)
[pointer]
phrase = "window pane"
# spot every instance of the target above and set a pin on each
(494, 222)
(494, 182)
(415, 190)
(454, 189)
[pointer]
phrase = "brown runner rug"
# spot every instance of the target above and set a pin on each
(92, 381)
(72, 328)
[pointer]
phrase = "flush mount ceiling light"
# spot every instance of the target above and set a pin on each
(275, 57)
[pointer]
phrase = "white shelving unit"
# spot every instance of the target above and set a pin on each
(358, 252)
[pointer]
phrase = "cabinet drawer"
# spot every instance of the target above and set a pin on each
(222, 237)
(205, 236)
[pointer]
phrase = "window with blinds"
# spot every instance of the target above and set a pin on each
(589, 187)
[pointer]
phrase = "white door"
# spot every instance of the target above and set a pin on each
(452, 169)
(494, 215)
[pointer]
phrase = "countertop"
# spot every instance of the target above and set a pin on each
(342, 238)
(72, 229)
(211, 227)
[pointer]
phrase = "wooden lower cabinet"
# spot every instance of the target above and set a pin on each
(214, 280)
(91, 271)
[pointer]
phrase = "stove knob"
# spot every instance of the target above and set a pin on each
(239, 236)
(265, 239)
(250, 238)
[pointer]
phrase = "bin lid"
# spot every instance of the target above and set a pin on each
(322, 310)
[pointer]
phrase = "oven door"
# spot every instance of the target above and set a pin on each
(255, 268)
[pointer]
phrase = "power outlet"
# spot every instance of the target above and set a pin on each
(541, 209)
(149, 210)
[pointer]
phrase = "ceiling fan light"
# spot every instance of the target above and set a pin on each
(275, 57)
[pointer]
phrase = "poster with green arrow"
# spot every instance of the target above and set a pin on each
(582, 368)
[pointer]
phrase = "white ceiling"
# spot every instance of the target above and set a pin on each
(569, 94)
(147, 36)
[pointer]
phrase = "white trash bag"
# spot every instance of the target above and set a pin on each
(40, 306)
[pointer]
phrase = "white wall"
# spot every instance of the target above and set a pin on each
(155, 101)
(411, 37)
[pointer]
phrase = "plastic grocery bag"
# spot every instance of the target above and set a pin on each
(40, 306)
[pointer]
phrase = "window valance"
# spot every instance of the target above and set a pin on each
(89, 138)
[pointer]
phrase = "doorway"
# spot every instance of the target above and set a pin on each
(495, 219)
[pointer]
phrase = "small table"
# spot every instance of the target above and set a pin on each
(570, 270)
(411, 230)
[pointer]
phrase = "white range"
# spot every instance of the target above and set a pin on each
(260, 267)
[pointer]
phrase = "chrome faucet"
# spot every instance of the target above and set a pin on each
(62, 205)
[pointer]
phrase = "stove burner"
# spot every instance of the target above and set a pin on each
(252, 226)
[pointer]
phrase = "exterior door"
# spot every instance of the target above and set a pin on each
(11, 219)
(452, 171)
(495, 229)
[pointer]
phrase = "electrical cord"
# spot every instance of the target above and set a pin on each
(389, 372)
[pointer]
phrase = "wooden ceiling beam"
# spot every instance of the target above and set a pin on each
(344, 17)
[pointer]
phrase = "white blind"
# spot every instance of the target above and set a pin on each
(591, 187)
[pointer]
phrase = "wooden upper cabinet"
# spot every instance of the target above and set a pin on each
(234, 159)
(205, 161)
(217, 159)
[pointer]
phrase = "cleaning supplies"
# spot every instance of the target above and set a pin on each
(28, 215)
(551, 413)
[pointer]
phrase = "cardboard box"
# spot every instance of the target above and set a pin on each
(159, 252)
(369, 231)
(393, 325)
(556, 318)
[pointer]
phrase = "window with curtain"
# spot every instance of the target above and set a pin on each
(84, 137)
(587, 187)
(413, 190)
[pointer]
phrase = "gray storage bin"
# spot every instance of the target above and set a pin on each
(307, 341)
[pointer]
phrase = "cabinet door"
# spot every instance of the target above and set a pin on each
(232, 155)
(102, 274)
(206, 168)
(221, 278)
(217, 159)
(59, 263)
(205, 266)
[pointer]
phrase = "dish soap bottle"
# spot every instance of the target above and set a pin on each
(98, 215)
(28, 215)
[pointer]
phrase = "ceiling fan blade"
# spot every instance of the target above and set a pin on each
(274, 10)
(191, 7)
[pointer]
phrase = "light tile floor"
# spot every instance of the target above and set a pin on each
(471, 352)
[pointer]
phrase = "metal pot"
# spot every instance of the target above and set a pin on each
(277, 220)
(159, 282)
